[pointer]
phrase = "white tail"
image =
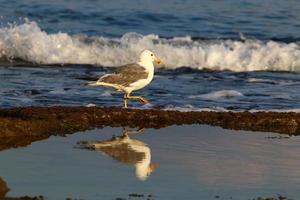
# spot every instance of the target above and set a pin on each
(92, 83)
(99, 83)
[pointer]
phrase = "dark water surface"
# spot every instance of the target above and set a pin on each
(207, 19)
(183, 89)
(187, 162)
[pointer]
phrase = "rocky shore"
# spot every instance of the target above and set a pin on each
(21, 126)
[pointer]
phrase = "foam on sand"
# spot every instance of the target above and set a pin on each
(29, 43)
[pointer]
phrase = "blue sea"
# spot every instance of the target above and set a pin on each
(216, 55)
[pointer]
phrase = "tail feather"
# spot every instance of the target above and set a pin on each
(92, 83)
(99, 83)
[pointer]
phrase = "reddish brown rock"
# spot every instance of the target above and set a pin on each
(3, 189)
(21, 126)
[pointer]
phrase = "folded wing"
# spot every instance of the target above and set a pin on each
(125, 75)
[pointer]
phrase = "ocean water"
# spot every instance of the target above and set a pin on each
(217, 55)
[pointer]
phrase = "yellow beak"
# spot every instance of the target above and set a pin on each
(157, 60)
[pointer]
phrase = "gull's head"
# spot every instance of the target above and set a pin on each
(148, 56)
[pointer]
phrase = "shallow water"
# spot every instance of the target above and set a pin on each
(183, 89)
(191, 162)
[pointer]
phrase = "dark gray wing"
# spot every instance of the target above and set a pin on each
(125, 75)
(115, 148)
(123, 153)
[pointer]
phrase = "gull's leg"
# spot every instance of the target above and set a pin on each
(139, 98)
(125, 100)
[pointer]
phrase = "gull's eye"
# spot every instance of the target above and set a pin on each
(151, 54)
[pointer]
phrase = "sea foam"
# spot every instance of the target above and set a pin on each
(222, 94)
(29, 43)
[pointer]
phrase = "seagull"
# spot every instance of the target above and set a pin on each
(130, 77)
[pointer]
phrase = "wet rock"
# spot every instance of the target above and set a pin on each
(136, 195)
(32, 92)
(3, 189)
(279, 197)
(25, 198)
(21, 126)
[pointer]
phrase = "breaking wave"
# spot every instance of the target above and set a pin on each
(31, 44)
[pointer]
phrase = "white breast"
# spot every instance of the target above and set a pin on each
(142, 167)
(143, 82)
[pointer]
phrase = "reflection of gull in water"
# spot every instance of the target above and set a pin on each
(128, 151)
